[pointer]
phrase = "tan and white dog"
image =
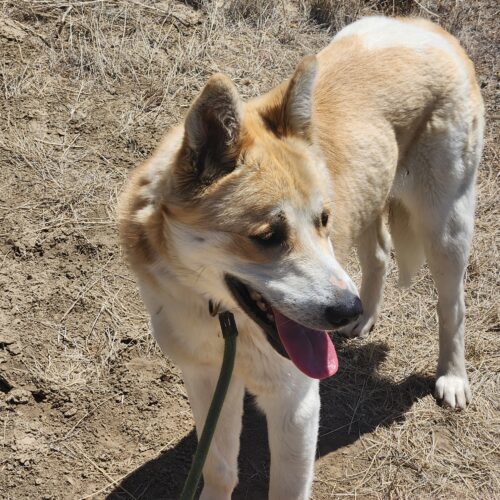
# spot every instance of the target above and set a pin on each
(252, 207)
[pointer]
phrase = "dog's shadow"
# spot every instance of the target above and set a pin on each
(354, 402)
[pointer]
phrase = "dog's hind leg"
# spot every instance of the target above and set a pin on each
(373, 249)
(447, 234)
(220, 473)
(442, 205)
(292, 412)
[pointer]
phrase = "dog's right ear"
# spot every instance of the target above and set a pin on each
(212, 131)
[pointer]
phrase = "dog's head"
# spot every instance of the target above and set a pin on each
(249, 212)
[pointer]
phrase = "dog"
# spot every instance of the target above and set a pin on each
(253, 207)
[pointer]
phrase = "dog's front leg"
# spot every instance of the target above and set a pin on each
(220, 473)
(292, 420)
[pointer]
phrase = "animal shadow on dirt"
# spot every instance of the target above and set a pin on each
(354, 402)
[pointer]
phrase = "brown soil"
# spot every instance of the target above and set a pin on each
(89, 407)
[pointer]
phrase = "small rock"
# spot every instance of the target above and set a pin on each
(26, 442)
(33, 426)
(38, 481)
(24, 459)
(70, 413)
(15, 348)
(18, 397)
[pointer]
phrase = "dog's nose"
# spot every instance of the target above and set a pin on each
(347, 309)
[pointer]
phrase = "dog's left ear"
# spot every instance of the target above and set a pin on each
(292, 114)
(212, 130)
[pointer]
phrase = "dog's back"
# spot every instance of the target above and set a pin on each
(399, 116)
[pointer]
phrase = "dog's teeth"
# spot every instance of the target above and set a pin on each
(255, 295)
(261, 305)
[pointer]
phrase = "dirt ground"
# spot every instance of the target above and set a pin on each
(89, 407)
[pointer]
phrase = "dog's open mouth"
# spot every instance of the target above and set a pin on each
(312, 351)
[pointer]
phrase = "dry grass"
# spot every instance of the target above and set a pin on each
(87, 88)
(335, 14)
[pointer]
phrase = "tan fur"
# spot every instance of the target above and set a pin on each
(275, 193)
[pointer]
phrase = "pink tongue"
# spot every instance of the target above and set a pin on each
(312, 351)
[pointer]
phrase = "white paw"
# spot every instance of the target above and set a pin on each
(360, 328)
(453, 390)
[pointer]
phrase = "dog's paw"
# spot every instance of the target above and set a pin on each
(360, 328)
(453, 390)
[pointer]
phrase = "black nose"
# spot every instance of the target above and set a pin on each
(347, 309)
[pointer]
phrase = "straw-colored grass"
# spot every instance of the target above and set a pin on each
(87, 88)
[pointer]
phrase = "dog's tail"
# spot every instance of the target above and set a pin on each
(408, 246)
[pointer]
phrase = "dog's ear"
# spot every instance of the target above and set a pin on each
(298, 100)
(213, 129)
(292, 114)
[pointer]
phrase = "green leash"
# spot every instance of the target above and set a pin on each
(229, 332)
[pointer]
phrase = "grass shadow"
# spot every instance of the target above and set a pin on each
(354, 402)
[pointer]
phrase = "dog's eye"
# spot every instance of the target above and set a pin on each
(269, 238)
(324, 218)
